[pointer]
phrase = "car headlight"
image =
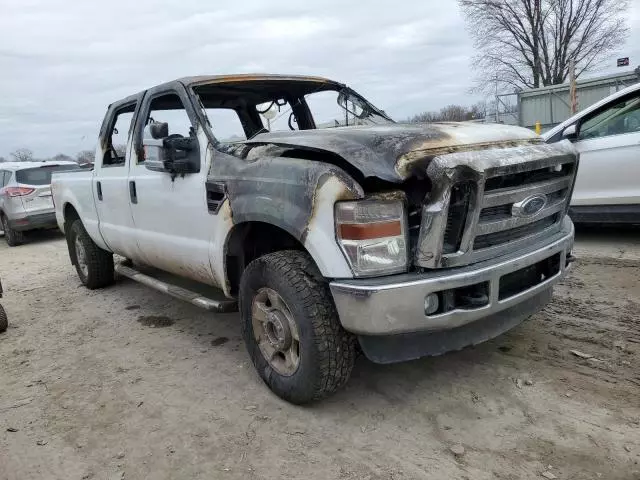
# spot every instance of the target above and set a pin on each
(372, 236)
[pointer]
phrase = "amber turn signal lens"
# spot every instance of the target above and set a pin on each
(367, 231)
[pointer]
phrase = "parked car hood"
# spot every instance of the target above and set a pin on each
(391, 151)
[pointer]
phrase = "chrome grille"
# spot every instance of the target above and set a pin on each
(504, 236)
(498, 225)
(519, 197)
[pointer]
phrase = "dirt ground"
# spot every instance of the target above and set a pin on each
(90, 387)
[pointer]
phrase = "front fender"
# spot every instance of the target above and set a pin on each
(295, 195)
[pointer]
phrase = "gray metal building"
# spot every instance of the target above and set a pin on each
(551, 106)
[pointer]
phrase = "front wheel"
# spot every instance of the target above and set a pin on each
(12, 237)
(291, 328)
(93, 264)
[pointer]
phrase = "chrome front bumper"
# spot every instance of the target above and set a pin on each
(396, 304)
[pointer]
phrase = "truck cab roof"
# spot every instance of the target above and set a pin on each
(269, 82)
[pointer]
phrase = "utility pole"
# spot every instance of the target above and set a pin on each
(573, 98)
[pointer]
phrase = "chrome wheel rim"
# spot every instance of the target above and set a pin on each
(275, 331)
(81, 257)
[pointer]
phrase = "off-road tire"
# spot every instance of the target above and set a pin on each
(99, 262)
(327, 351)
(12, 237)
(4, 323)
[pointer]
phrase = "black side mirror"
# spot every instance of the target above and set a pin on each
(159, 130)
(173, 154)
(178, 154)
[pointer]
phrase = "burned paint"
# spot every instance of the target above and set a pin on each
(372, 150)
(398, 195)
(388, 152)
(319, 238)
(275, 190)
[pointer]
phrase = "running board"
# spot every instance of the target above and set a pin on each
(193, 298)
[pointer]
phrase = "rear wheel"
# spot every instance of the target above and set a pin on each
(291, 328)
(12, 237)
(4, 323)
(93, 264)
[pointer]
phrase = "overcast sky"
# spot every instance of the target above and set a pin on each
(63, 61)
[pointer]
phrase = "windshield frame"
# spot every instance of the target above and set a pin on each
(295, 90)
(370, 106)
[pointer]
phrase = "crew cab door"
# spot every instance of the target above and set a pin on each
(173, 226)
(609, 145)
(110, 180)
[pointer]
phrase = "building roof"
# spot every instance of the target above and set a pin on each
(611, 79)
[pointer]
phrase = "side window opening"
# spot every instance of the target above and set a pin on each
(225, 124)
(325, 110)
(117, 143)
(168, 108)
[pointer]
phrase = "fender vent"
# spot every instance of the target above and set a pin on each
(216, 195)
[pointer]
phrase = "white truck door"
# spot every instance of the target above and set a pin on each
(173, 226)
(110, 180)
(609, 146)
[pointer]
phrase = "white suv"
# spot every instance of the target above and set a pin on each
(607, 135)
(25, 197)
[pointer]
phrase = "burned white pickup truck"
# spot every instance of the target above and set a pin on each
(334, 228)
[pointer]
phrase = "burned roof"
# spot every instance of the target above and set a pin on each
(269, 83)
(253, 77)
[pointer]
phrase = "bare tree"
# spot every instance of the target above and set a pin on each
(479, 110)
(22, 155)
(61, 157)
(451, 113)
(530, 43)
(85, 156)
(2, 159)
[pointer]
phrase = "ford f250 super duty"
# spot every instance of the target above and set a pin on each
(334, 228)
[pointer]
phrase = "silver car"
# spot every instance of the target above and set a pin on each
(25, 197)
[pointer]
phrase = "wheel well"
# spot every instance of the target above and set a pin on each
(70, 214)
(251, 240)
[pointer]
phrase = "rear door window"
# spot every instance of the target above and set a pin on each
(115, 155)
(41, 175)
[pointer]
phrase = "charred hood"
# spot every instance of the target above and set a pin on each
(392, 152)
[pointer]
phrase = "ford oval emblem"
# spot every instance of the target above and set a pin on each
(529, 206)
